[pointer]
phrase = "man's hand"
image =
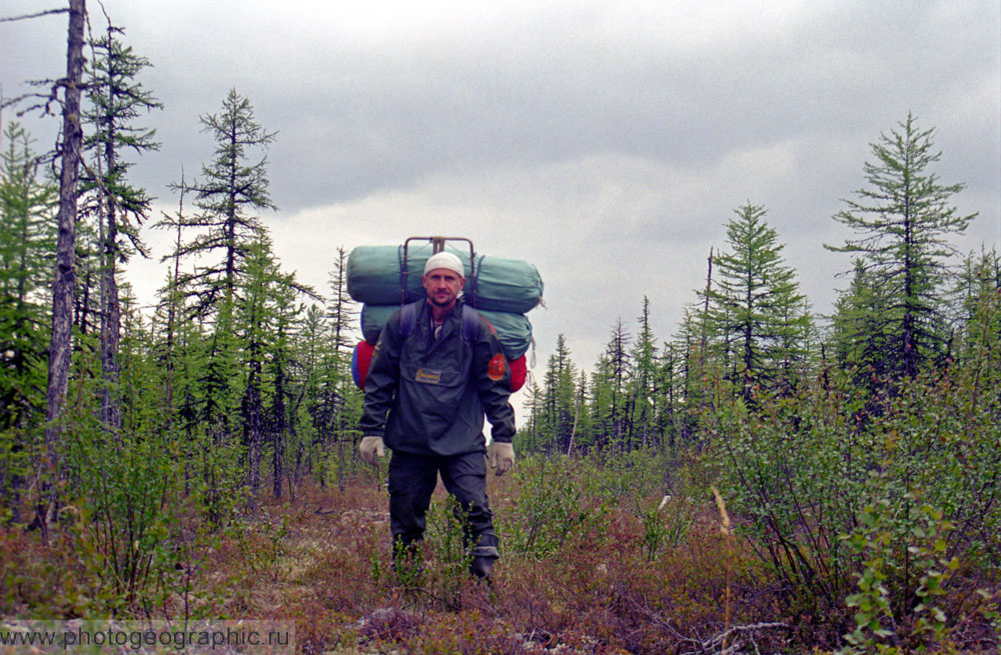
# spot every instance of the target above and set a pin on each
(371, 448)
(501, 457)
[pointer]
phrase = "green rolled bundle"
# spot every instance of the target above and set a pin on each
(514, 331)
(378, 275)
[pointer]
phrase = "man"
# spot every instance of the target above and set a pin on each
(436, 382)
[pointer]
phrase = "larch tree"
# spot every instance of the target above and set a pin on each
(61, 340)
(339, 392)
(264, 318)
(644, 383)
(340, 307)
(117, 99)
(315, 354)
(225, 227)
(559, 394)
(609, 389)
(670, 391)
(861, 330)
(172, 305)
(755, 305)
(27, 242)
(233, 187)
(528, 435)
(902, 221)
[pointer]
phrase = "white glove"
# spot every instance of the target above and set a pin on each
(371, 448)
(501, 457)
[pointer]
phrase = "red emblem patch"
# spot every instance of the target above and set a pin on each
(496, 367)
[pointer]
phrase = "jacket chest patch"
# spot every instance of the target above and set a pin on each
(427, 376)
(495, 369)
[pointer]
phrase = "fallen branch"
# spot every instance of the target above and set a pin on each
(711, 645)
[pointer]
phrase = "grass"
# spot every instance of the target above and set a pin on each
(324, 563)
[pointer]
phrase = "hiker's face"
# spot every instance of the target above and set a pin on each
(443, 286)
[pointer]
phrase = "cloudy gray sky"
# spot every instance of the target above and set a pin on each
(607, 143)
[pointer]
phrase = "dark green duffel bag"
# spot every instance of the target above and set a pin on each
(514, 331)
(377, 276)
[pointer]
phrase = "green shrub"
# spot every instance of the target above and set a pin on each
(551, 508)
(797, 470)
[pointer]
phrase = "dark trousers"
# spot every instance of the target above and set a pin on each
(412, 480)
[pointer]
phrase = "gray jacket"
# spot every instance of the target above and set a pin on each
(436, 392)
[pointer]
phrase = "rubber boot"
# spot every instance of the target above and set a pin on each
(483, 560)
(484, 556)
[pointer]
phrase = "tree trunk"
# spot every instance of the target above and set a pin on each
(111, 316)
(61, 346)
(252, 422)
(278, 461)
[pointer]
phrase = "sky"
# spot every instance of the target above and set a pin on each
(606, 143)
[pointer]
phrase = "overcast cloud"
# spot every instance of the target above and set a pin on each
(608, 145)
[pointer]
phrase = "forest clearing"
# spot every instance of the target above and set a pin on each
(595, 561)
(767, 478)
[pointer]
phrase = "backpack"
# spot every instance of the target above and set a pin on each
(361, 359)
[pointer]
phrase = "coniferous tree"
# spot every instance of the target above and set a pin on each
(172, 306)
(87, 309)
(117, 100)
(755, 305)
(231, 190)
(693, 372)
(560, 395)
(340, 307)
(860, 330)
(609, 389)
(976, 295)
(581, 431)
(316, 416)
(265, 319)
(61, 340)
(27, 243)
(902, 220)
(670, 392)
(233, 187)
(341, 396)
(644, 381)
(529, 435)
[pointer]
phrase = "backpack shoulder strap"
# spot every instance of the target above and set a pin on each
(470, 324)
(408, 319)
(470, 321)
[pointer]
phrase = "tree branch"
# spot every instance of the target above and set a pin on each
(48, 12)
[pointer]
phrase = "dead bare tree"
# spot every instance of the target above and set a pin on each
(61, 345)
